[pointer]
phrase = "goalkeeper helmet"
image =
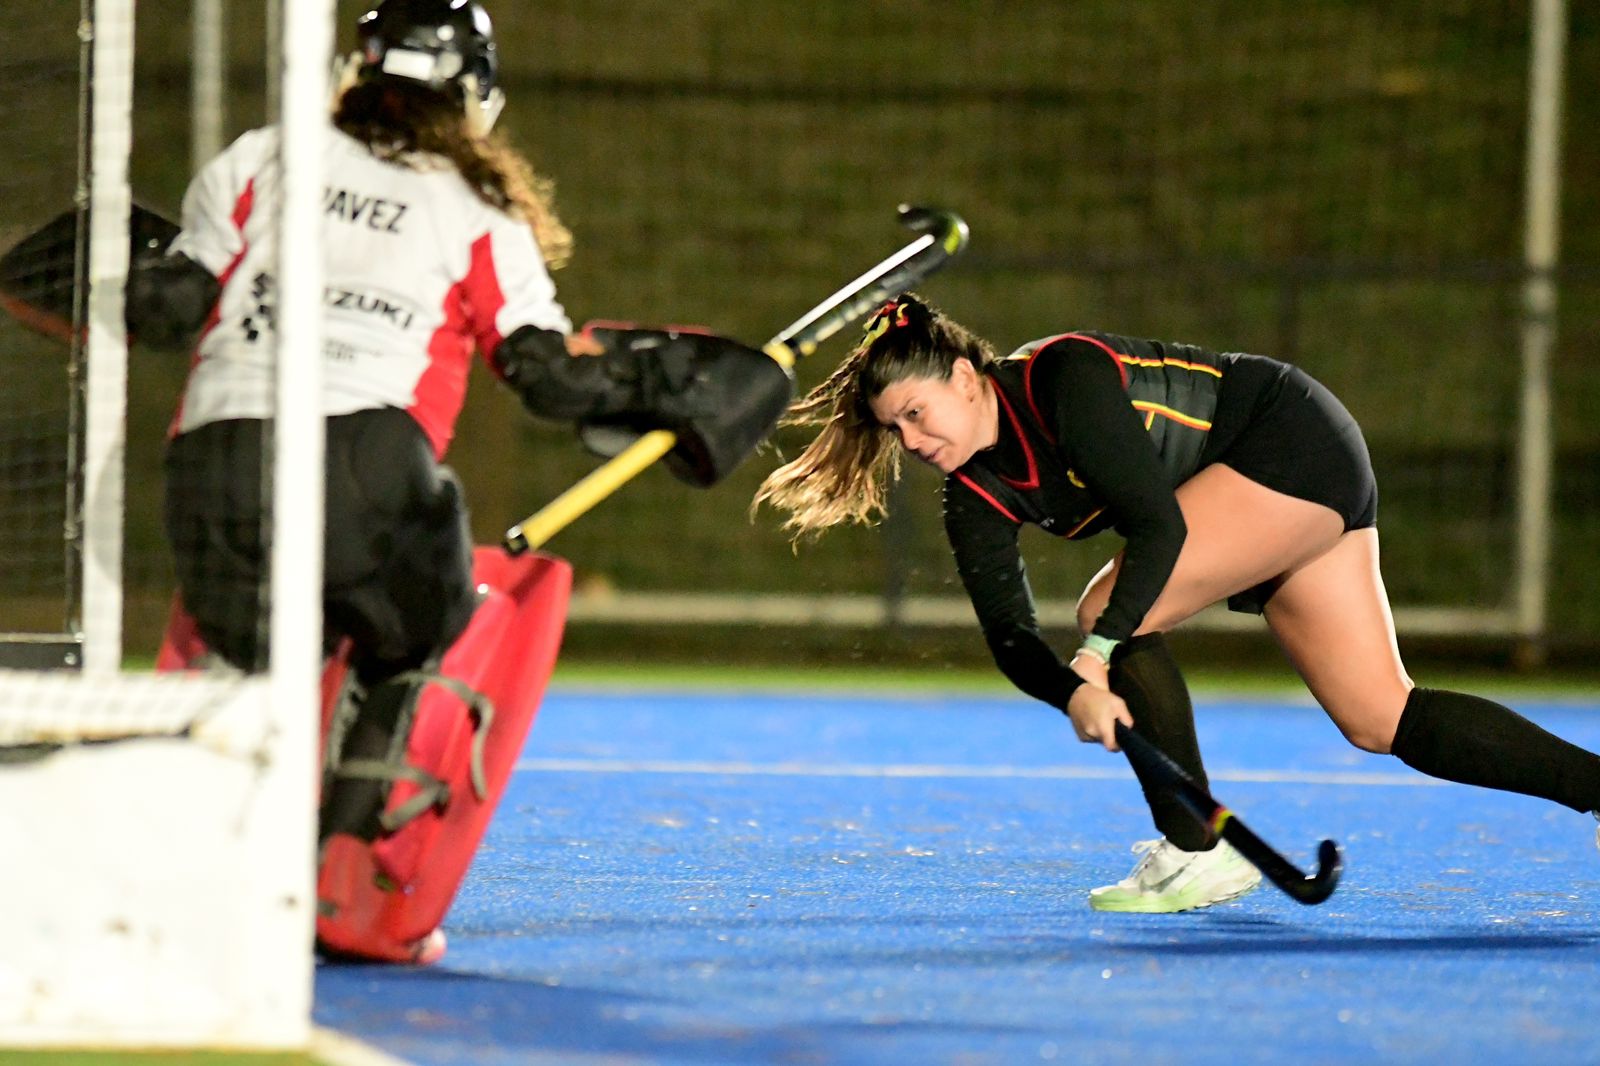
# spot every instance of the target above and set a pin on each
(446, 45)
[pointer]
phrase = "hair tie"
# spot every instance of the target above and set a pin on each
(888, 316)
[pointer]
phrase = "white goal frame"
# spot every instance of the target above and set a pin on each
(160, 844)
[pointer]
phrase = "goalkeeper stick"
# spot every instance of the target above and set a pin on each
(1219, 821)
(944, 234)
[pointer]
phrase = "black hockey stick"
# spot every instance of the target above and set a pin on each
(944, 234)
(1219, 821)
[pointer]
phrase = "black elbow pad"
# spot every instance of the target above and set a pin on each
(39, 275)
(168, 299)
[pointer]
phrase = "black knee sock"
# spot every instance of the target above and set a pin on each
(1146, 676)
(1478, 742)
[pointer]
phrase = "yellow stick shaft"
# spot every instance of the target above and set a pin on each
(627, 464)
(602, 482)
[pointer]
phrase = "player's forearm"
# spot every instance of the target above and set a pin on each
(1147, 563)
(554, 383)
(1031, 665)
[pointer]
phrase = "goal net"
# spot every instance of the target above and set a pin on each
(38, 581)
(1344, 186)
(157, 828)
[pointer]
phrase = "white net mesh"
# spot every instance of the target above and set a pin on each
(40, 128)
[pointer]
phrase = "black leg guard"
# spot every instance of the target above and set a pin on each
(1476, 741)
(1146, 676)
(357, 779)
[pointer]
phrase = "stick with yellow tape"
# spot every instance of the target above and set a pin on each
(943, 235)
(1220, 822)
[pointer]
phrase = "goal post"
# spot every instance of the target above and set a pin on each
(159, 829)
(105, 368)
(1547, 32)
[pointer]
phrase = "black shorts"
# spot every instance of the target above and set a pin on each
(397, 561)
(1280, 427)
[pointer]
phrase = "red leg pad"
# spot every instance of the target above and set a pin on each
(181, 646)
(383, 900)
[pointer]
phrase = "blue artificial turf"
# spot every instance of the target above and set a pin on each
(725, 878)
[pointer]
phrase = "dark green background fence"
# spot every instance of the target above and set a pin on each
(1339, 183)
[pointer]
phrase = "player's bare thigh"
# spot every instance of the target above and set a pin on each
(1332, 617)
(1240, 533)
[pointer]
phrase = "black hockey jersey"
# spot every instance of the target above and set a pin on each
(1174, 388)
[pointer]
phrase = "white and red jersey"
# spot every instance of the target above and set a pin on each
(419, 273)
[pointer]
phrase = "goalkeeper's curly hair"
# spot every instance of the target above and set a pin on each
(404, 123)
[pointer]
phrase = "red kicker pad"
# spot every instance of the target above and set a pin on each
(182, 647)
(386, 899)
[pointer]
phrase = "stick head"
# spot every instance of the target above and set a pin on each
(946, 227)
(1330, 866)
(943, 235)
(1319, 886)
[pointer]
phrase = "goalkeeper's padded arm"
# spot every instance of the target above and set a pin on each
(668, 373)
(553, 383)
(168, 299)
(39, 274)
(721, 397)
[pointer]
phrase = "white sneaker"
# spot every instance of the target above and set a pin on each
(1167, 879)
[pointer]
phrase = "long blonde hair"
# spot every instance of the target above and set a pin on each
(844, 474)
(397, 120)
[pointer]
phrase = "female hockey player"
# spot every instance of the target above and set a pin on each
(438, 241)
(1230, 477)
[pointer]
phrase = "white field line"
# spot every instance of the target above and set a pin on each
(735, 768)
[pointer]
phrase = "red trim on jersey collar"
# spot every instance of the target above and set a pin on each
(998, 506)
(1032, 480)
